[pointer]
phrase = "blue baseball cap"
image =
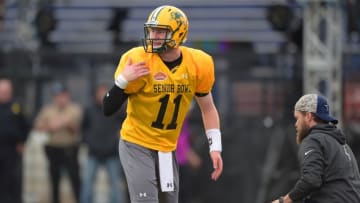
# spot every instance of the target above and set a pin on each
(59, 88)
(316, 104)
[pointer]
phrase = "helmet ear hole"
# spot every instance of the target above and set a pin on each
(171, 43)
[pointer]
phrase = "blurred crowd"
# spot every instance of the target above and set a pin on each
(72, 149)
(63, 128)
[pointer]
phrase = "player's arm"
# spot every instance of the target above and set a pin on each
(113, 100)
(209, 113)
(211, 122)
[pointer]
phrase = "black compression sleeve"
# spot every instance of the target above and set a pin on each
(201, 94)
(113, 100)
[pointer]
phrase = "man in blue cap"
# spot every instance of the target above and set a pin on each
(61, 120)
(328, 169)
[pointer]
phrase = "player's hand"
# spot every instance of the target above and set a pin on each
(133, 71)
(217, 164)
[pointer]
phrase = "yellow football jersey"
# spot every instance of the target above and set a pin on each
(158, 102)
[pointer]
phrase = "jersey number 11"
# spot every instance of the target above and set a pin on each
(158, 123)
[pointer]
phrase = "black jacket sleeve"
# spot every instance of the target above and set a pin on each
(85, 125)
(14, 126)
(312, 164)
(113, 100)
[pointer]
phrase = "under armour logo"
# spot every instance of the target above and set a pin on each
(210, 141)
(307, 152)
(169, 185)
(347, 153)
(327, 107)
(142, 194)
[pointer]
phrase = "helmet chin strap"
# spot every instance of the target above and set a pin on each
(158, 49)
(149, 46)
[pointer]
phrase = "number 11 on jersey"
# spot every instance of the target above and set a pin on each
(158, 123)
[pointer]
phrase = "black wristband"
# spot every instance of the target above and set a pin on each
(281, 199)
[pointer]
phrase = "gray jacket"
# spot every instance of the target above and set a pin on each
(329, 171)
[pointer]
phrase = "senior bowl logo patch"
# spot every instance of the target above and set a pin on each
(160, 76)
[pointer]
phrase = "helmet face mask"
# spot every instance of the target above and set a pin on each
(170, 21)
(155, 44)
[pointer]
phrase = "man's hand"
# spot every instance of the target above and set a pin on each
(286, 199)
(217, 164)
(133, 71)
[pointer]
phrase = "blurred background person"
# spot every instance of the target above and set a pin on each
(2, 13)
(45, 23)
(102, 141)
(14, 129)
(61, 120)
(115, 25)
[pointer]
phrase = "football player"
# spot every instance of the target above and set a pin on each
(159, 80)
